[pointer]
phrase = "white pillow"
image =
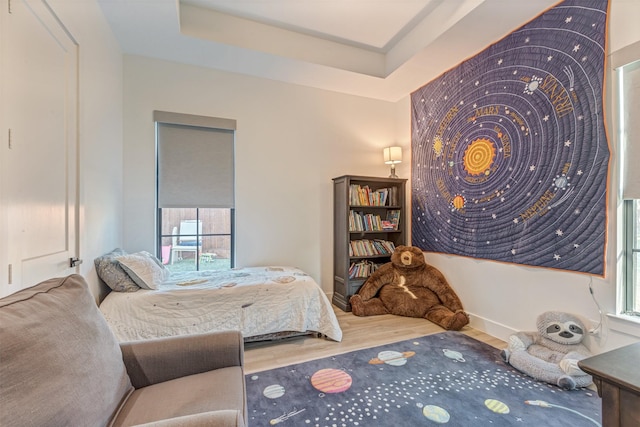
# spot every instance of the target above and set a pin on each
(144, 269)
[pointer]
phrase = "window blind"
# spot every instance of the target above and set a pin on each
(629, 78)
(195, 161)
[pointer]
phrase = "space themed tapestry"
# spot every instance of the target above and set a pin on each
(510, 157)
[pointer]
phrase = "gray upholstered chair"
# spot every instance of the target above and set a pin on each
(60, 365)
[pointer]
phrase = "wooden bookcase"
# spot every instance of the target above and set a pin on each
(359, 240)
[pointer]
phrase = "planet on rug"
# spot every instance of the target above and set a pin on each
(496, 406)
(442, 379)
(436, 414)
(273, 391)
(331, 380)
(392, 358)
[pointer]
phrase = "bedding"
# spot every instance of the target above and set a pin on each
(259, 301)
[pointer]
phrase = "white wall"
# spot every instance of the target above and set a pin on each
(100, 131)
(290, 142)
(504, 298)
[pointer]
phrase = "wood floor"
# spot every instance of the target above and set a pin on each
(358, 333)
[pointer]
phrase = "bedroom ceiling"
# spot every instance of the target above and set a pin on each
(381, 49)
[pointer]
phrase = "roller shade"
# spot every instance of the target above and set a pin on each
(630, 129)
(195, 162)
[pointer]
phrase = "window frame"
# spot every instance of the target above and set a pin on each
(629, 289)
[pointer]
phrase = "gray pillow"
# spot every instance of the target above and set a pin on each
(60, 363)
(144, 268)
(111, 272)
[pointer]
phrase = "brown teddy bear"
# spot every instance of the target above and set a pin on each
(407, 286)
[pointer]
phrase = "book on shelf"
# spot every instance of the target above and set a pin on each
(360, 221)
(359, 195)
(393, 196)
(393, 216)
(363, 195)
(362, 269)
(379, 197)
(387, 225)
(368, 247)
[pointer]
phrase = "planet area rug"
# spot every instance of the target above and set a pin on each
(446, 378)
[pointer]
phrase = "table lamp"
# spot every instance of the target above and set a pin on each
(392, 155)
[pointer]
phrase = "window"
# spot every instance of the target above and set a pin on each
(196, 238)
(628, 91)
(195, 191)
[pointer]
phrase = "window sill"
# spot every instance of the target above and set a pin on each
(629, 325)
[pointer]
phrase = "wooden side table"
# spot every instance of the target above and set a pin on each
(616, 373)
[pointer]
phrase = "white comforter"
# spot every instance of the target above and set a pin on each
(254, 300)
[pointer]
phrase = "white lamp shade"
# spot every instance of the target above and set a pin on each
(392, 155)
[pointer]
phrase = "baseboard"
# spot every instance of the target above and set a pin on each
(480, 323)
(491, 327)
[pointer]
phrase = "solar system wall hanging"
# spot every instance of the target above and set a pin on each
(509, 152)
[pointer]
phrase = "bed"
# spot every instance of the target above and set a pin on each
(262, 302)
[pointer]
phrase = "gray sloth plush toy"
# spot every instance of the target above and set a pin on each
(552, 353)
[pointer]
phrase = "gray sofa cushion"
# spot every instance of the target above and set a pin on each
(213, 393)
(60, 363)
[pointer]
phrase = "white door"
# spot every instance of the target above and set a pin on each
(39, 158)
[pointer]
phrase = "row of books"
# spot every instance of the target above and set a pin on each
(360, 221)
(366, 247)
(362, 269)
(363, 195)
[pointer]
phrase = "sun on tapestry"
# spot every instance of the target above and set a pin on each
(509, 151)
